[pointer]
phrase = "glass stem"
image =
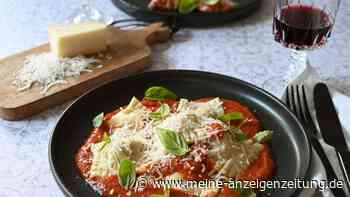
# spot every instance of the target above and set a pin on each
(298, 63)
(299, 57)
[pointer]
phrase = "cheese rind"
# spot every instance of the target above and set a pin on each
(77, 39)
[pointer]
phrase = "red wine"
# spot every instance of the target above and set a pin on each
(302, 27)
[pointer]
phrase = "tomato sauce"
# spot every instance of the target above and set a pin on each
(154, 105)
(262, 169)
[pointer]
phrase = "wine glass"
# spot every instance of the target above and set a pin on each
(87, 12)
(303, 25)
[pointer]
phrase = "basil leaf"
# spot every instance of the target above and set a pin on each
(231, 116)
(106, 140)
(248, 193)
(240, 136)
(263, 136)
(162, 112)
(244, 192)
(210, 2)
(166, 193)
(173, 142)
(158, 93)
(98, 120)
(237, 134)
(187, 6)
(127, 174)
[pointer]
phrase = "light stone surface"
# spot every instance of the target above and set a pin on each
(244, 49)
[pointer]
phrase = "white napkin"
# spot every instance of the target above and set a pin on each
(309, 78)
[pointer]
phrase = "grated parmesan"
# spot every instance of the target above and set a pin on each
(48, 70)
(134, 138)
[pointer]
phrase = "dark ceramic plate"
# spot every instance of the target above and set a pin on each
(139, 9)
(290, 145)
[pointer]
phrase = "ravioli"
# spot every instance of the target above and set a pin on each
(212, 149)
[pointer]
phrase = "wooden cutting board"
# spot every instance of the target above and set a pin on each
(130, 54)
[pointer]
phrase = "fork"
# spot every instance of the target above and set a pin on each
(296, 101)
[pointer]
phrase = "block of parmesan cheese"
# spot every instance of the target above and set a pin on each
(77, 39)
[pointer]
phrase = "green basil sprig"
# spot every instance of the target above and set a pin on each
(210, 2)
(231, 116)
(98, 120)
(263, 136)
(237, 134)
(165, 194)
(158, 93)
(247, 193)
(106, 140)
(187, 6)
(240, 136)
(127, 174)
(173, 142)
(162, 112)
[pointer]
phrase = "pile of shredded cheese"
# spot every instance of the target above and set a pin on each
(48, 70)
(134, 137)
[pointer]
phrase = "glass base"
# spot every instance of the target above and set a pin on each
(87, 12)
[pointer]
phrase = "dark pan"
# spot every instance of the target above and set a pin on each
(290, 145)
(139, 9)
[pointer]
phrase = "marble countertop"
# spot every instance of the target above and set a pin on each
(244, 49)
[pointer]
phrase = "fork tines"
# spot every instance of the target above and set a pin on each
(297, 101)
